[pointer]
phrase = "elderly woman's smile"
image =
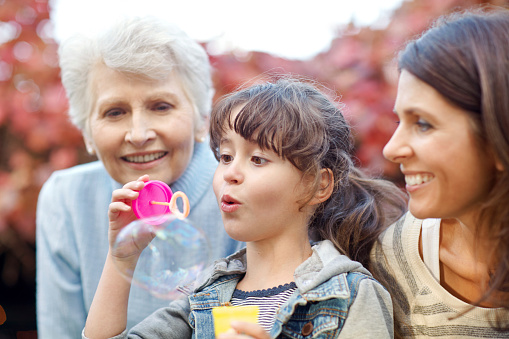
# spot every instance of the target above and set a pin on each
(144, 158)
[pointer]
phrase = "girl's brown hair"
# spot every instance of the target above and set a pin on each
(301, 124)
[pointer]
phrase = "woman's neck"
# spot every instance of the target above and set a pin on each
(464, 261)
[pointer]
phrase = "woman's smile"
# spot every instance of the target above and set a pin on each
(144, 157)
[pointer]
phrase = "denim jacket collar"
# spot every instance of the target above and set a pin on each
(324, 263)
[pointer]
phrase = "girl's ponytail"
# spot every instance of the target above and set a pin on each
(358, 211)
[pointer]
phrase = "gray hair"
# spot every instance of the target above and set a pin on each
(147, 47)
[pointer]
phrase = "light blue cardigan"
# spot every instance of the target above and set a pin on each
(72, 241)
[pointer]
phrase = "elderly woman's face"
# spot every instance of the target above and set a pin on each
(141, 127)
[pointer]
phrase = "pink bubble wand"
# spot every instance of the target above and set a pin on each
(156, 199)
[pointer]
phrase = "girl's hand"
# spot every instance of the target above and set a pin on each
(120, 214)
(244, 330)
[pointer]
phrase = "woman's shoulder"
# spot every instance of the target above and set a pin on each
(401, 239)
(406, 226)
(87, 171)
(78, 179)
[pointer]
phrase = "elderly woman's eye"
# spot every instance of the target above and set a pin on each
(162, 106)
(113, 113)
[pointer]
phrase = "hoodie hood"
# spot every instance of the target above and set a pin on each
(325, 263)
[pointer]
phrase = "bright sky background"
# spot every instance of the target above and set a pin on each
(295, 29)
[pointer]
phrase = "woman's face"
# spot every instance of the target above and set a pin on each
(140, 127)
(447, 173)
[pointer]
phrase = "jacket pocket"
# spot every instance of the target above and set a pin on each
(316, 320)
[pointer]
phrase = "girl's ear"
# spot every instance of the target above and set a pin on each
(326, 187)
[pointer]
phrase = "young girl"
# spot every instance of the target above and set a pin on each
(285, 179)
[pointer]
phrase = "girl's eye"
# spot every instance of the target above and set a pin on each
(258, 160)
(226, 159)
(423, 125)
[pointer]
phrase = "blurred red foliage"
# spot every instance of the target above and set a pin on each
(37, 138)
(360, 67)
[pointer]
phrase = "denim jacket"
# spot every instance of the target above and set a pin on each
(335, 297)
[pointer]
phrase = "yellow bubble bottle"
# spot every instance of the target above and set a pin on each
(224, 315)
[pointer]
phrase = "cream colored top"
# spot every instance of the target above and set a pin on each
(428, 308)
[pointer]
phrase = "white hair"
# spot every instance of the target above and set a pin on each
(147, 47)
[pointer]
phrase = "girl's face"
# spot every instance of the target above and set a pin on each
(140, 127)
(258, 192)
(447, 173)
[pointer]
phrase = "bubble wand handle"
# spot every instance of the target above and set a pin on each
(173, 204)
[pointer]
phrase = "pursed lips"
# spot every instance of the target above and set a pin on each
(229, 204)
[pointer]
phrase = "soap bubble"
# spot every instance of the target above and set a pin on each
(174, 254)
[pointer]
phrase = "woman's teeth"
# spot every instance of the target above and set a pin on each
(145, 158)
(417, 179)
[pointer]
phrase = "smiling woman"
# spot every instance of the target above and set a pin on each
(446, 261)
(141, 94)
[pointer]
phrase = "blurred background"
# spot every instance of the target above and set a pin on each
(353, 55)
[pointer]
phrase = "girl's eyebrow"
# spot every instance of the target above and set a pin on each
(224, 140)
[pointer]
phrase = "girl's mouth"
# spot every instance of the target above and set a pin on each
(228, 204)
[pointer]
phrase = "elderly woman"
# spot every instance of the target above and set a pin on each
(141, 94)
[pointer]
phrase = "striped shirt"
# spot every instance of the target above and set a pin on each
(268, 301)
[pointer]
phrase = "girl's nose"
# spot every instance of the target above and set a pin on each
(398, 148)
(141, 129)
(233, 173)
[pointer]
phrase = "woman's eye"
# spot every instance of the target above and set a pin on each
(162, 107)
(226, 159)
(423, 125)
(113, 113)
(258, 160)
